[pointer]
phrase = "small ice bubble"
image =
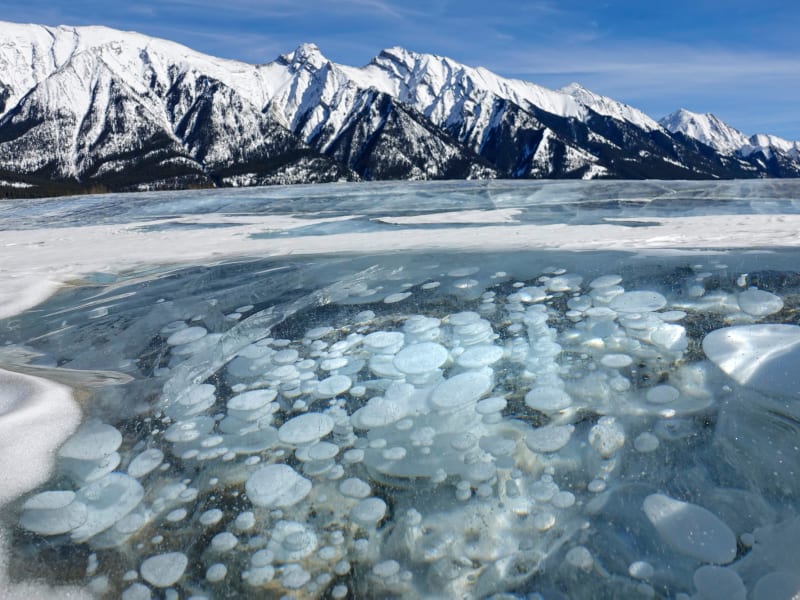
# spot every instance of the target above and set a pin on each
(616, 361)
(544, 521)
(563, 499)
(216, 572)
(339, 592)
(645, 442)
(137, 591)
(164, 570)
(245, 521)
(305, 428)
(222, 542)
(641, 569)
(596, 486)
(580, 558)
(352, 456)
(276, 486)
(548, 399)
(605, 281)
(394, 298)
(636, 302)
(177, 515)
(662, 394)
(368, 512)
(386, 569)
(211, 517)
(549, 438)
(607, 436)
(355, 488)
(719, 583)
(186, 336)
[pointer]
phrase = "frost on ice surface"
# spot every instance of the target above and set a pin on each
(578, 424)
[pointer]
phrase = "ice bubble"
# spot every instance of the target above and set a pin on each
(355, 488)
(544, 521)
(305, 429)
(779, 585)
(645, 442)
(641, 569)
(294, 577)
(549, 438)
(339, 592)
(386, 569)
(189, 429)
(417, 359)
(605, 281)
(145, 462)
(691, 529)
(548, 399)
(333, 386)
(245, 521)
(252, 400)
(378, 412)
(186, 335)
(92, 441)
(368, 512)
(291, 541)
(479, 356)
(277, 486)
(334, 364)
(719, 583)
(759, 303)
(52, 513)
(318, 332)
(463, 271)
(319, 451)
(224, 541)
(490, 406)
(563, 499)
(431, 285)
(762, 357)
(163, 570)
(634, 302)
(137, 591)
(384, 342)
(211, 517)
(461, 390)
(176, 515)
(216, 572)
(107, 500)
(662, 394)
(394, 298)
(580, 558)
(616, 361)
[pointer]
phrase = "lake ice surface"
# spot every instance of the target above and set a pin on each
(439, 390)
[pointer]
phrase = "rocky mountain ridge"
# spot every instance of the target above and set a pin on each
(94, 109)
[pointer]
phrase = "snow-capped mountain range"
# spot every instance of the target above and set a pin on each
(94, 109)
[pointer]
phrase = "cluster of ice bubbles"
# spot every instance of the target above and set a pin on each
(549, 442)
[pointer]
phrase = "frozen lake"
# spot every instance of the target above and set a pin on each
(429, 390)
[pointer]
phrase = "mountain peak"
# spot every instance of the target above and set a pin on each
(305, 54)
(705, 128)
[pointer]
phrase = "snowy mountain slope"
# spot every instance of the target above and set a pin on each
(705, 128)
(769, 154)
(92, 107)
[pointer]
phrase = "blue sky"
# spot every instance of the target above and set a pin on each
(738, 59)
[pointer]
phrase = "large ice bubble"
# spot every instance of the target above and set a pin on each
(761, 357)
